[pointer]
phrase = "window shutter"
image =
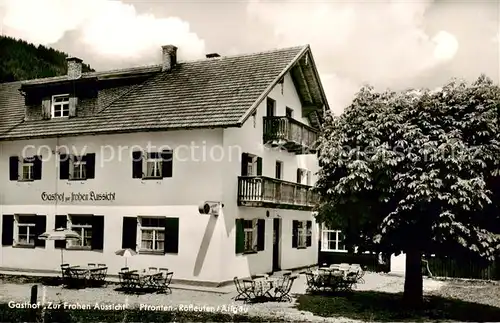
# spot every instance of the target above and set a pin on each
(46, 108)
(90, 165)
(309, 234)
(40, 228)
(64, 166)
(167, 163)
(240, 236)
(261, 234)
(97, 232)
(299, 176)
(129, 233)
(295, 233)
(171, 235)
(14, 168)
(259, 166)
(244, 164)
(137, 164)
(7, 229)
(61, 222)
(73, 102)
(37, 169)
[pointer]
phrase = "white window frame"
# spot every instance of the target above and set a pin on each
(157, 165)
(31, 227)
(325, 242)
(250, 236)
(252, 165)
(81, 229)
(155, 230)
(302, 234)
(60, 106)
(78, 162)
(304, 176)
(30, 166)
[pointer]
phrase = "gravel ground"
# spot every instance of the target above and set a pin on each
(11, 292)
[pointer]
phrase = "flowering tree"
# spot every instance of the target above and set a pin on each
(414, 172)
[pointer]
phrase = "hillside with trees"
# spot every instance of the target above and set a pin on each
(20, 60)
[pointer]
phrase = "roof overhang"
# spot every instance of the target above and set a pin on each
(306, 79)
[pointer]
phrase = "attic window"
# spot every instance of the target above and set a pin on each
(60, 106)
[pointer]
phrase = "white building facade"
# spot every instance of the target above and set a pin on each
(126, 158)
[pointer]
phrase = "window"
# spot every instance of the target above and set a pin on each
(331, 240)
(78, 168)
(289, 112)
(60, 106)
(250, 229)
(301, 176)
(271, 107)
(26, 232)
(279, 169)
(302, 234)
(81, 224)
(254, 119)
(27, 170)
(152, 234)
(252, 165)
(153, 165)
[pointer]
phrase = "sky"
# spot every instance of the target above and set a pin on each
(387, 44)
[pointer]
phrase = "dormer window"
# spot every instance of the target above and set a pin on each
(60, 106)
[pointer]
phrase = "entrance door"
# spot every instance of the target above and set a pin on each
(276, 245)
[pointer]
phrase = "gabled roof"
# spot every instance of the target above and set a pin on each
(209, 93)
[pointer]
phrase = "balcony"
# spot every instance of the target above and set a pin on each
(261, 191)
(290, 134)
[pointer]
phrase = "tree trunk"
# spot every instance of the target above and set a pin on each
(413, 290)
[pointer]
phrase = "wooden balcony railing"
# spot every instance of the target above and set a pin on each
(261, 191)
(291, 134)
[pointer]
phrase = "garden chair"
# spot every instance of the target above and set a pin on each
(282, 291)
(312, 281)
(162, 281)
(244, 290)
(97, 276)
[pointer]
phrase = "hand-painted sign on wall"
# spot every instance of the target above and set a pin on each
(77, 197)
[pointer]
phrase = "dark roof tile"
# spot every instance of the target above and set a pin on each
(204, 93)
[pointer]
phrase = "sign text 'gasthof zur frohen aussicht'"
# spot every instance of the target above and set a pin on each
(78, 197)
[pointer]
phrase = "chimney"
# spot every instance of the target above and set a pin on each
(74, 67)
(212, 55)
(169, 58)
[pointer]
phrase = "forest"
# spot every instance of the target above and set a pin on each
(20, 60)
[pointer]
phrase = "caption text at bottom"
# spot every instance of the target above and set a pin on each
(229, 308)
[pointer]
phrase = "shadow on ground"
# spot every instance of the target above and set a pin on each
(381, 306)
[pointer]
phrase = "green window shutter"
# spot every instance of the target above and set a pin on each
(259, 166)
(261, 234)
(171, 235)
(295, 233)
(240, 236)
